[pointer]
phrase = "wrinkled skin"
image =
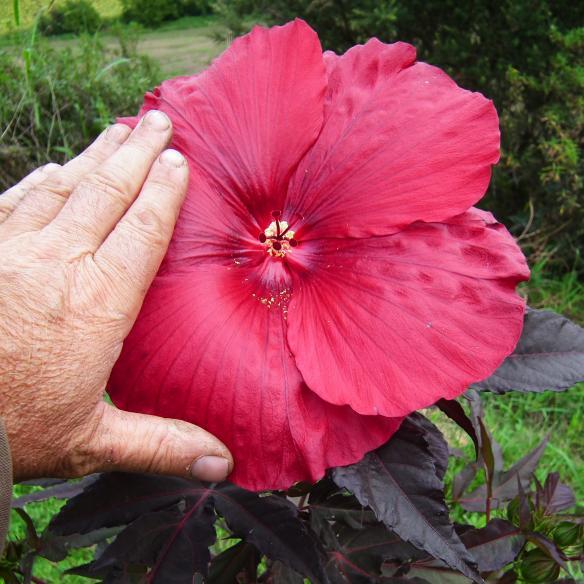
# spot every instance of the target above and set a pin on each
(79, 247)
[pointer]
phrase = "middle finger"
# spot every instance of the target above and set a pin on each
(102, 197)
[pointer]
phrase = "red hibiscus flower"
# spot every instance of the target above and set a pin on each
(328, 274)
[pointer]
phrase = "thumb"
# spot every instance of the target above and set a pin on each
(131, 442)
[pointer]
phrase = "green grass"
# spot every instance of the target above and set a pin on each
(45, 570)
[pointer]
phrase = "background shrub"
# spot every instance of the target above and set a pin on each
(526, 55)
(75, 16)
(55, 101)
(152, 13)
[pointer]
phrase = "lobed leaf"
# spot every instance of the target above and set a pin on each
(175, 512)
(118, 499)
(271, 524)
(174, 543)
(401, 483)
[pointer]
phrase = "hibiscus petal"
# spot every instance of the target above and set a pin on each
(245, 122)
(401, 142)
(205, 350)
(391, 324)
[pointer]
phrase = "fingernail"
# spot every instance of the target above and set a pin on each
(172, 157)
(157, 120)
(117, 133)
(210, 468)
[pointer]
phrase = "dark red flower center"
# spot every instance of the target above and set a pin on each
(278, 238)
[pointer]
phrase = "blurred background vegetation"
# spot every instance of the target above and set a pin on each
(69, 67)
(526, 55)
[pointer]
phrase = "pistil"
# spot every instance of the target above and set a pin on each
(278, 238)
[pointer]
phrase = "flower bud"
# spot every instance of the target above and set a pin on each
(538, 568)
(567, 533)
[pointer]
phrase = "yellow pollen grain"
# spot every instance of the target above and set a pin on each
(278, 300)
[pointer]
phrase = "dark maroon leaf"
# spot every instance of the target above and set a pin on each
(488, 459)
(366, 549)
(554, 496)
(437, 445)
(495, 545)
(549, 356)
(233, 561)
(505, 484)
(346, 509)
(524, 513)
(404, 580)
(457, 414)
(271, 523)
(173, 543)
(56, 490)
(44, 483)
(120, 498)
(323, 529)
(57, 547)
(399, 482)
(131, 575)
(282, 574)
(463, 479)
(431, 572)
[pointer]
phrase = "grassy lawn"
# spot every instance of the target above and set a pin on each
(186, 53)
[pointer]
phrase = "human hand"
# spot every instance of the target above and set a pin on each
(79, 247)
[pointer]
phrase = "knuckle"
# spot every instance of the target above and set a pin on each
(160, 186)
(145, 224)
(162, 445)
(5, 210)
(106, 186)
(57, 186)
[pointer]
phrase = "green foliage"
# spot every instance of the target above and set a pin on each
(54, 102)
(75, 16)
(152, 13)
(528, 56)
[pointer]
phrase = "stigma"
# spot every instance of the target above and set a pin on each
(278, 238)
